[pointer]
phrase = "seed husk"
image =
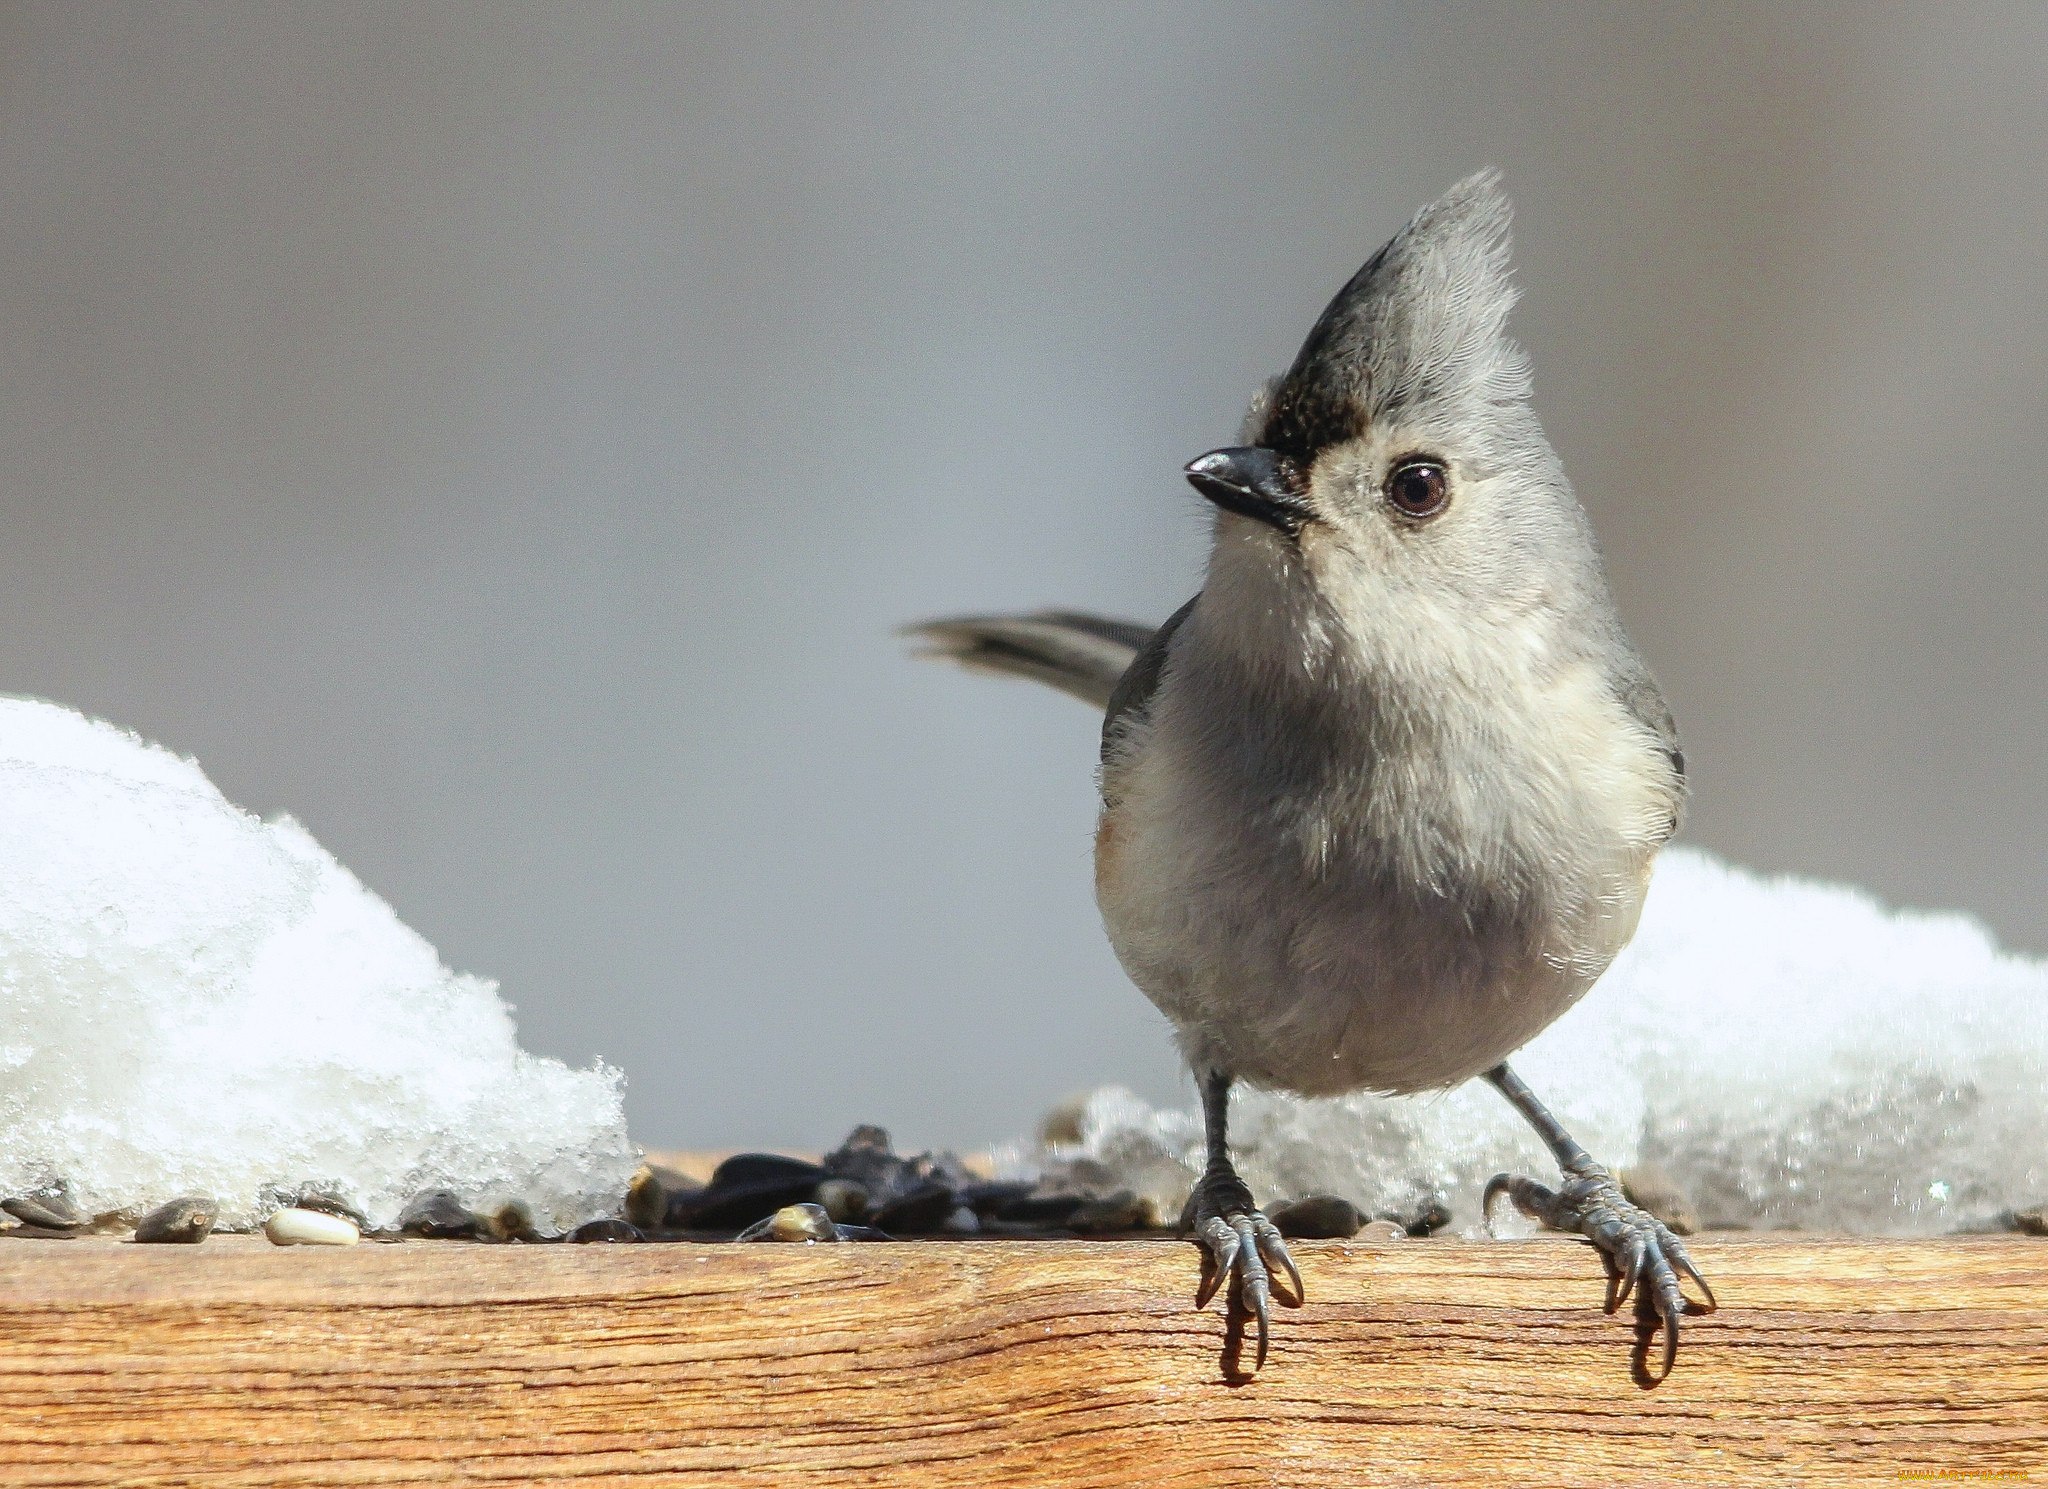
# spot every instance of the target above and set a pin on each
(1325, 1217)
(185, 1221)
(438, 1215)
(44, 1211)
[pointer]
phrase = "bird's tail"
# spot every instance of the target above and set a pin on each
(1083, 655)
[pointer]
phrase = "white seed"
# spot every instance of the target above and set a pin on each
(310, 1228)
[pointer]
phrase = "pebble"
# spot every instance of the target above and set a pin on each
(182, 1222)
(2032, 1222)
(295, 1227)
(1318, 1217)
(1381, 1232)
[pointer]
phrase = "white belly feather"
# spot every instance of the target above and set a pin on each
(1397, 926)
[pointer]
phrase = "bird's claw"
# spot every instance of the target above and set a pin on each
(1241, 1246)
(1637, 1247)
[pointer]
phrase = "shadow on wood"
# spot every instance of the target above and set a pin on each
(983, 1363)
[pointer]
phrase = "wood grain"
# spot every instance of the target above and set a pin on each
(1069, 1363)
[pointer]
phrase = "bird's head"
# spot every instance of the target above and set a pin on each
(1397, 465)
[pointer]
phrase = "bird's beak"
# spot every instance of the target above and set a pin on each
(1260, 484)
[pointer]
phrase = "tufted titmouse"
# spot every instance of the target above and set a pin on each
(1381, 801)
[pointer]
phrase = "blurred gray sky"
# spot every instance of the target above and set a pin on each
(505, 438)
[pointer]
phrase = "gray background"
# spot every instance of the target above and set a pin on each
(505, 437)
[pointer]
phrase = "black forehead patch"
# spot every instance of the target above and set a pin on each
(1310, 415)
(1322, 400)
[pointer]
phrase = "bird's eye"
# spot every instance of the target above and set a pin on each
(1419, 488)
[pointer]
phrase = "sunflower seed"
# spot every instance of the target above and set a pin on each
(294, 1227)
(182, 1222)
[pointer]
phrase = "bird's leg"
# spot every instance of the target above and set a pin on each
(1636, 1245)
(1239, 1245)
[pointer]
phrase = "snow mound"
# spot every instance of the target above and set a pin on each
(193, 1001)
(1790, 1052)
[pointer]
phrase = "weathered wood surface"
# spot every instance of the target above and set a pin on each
(1830, 1362)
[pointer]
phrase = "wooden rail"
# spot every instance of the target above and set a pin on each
(986, 1363)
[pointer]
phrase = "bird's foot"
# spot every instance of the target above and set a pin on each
(1242, 1247)
(1637, 1247)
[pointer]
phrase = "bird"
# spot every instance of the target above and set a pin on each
(1383, 799)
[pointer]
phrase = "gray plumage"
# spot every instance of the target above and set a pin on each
(1382, 801)
(1081, 655)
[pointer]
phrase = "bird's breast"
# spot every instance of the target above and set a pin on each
(1328, 899)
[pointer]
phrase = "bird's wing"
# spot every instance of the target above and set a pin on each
(1643, 698)
(1130, 705)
